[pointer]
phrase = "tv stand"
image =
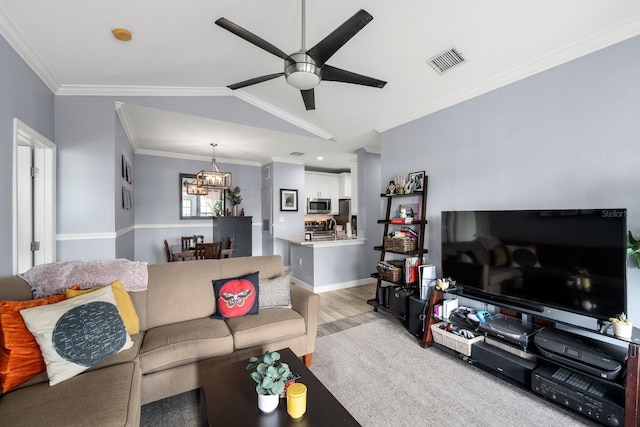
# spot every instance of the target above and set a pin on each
(626, 386)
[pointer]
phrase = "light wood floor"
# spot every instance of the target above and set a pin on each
(336, 305)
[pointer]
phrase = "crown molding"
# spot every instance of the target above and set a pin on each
(133, 90)
(88, 90)
(23, 48)
(257, 102)
(195, 157)
(597, 41)
(127, 125)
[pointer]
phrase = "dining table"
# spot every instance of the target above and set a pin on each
(190, 253)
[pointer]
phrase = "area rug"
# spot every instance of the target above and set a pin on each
(381, 374)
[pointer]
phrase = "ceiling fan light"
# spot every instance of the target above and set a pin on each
(301, 71)
(303, 80)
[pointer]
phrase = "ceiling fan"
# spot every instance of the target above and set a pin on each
(305, 69)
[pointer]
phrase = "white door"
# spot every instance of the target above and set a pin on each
(33, 198)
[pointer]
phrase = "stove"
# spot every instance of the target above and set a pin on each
(315, 226)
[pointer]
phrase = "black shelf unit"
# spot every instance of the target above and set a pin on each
(391, 201)
(628, 383)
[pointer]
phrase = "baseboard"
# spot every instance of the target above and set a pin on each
(332, 286)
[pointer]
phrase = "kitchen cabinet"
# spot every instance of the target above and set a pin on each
(344, 185)
(234, 227)
(322, 184)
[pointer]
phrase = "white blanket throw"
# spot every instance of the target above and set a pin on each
(55, 278)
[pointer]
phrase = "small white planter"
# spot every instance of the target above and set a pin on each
(268, 402)
(622, 330)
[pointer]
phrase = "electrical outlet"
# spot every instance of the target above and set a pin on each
(281, 219)
(300, 261)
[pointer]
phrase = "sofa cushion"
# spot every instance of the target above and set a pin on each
(275, 292)
(268, 325)
(123, 301)
(236, 296)
(20, 356)
(109, 396)
(185, 342)
(77, 333)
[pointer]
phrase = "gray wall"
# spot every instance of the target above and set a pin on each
(91, 224)
(22, 96)
(565, 138)
(369, 209)
(287, 223)
(157, 196)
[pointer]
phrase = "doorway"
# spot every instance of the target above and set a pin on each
(34, 199)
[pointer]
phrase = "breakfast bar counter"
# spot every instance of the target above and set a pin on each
(326, 264)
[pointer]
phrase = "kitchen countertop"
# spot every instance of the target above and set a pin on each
(324, 242)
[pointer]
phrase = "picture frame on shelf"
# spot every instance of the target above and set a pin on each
(416, 182)
(288, 200)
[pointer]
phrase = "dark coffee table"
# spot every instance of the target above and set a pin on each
(228, 397)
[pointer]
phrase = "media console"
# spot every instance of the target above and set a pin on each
(590, 376)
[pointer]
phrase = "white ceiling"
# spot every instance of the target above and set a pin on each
(178, 50)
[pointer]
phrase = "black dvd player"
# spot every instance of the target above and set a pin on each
(508, 329)
(590, 397)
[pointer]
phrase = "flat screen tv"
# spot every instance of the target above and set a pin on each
(570, 260)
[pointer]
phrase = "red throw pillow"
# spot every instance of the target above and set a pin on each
(236, 296)
(20, 356)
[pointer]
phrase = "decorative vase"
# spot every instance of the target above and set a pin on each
(622, 330)
(235, 210)
(268, 402)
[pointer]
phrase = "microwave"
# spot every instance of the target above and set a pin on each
(318, 206)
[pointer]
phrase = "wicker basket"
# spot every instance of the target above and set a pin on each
(391, 274)
(400, 244)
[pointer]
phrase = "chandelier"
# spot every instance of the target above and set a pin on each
(192, 189)
(213, 178)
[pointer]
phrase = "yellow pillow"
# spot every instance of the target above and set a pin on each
(123, 301)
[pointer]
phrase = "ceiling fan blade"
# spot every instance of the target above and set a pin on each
(254, 81)
(333, 74)
(250, 37)
(309, 98)
(326, 47)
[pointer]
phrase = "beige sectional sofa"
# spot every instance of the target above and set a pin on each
(177, 338)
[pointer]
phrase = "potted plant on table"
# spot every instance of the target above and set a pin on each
(234, 197)
(270, 375)
(622, 326)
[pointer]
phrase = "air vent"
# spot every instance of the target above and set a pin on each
(446, 60)
(296, 154)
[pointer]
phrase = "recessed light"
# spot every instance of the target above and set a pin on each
(320, 158)
(122, 34)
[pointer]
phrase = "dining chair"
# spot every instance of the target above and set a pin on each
(187, 243)
(208, 250)
(167, 250)
(216, 249)
(200, 250)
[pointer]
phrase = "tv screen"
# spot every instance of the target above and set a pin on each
(572, 260)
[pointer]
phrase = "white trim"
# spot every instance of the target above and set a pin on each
(114, 90)
(125, 230)
(195, 157)
(89, 90)
(19, 43)
(257, 102)
(127, 125)
(86, 236)
(331, 287)
(607, 37)
(25, 135)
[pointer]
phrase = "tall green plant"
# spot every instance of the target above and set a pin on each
(633, 248)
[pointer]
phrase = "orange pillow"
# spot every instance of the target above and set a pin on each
(20, 356)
